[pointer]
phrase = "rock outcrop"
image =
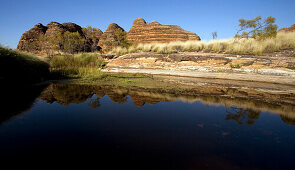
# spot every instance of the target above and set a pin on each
(31, 40)
(143, 32)
(290, 29)
(95, 39)
(53, 28)
(72, 27)
(108, 39)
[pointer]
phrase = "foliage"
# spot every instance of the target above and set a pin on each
(91, 35)
(72, 42)
(121, 38)
(257, 29)
(21, 67)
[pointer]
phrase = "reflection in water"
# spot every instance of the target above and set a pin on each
(241, 115)
(124, 126)
(240, 109)
(94, 103)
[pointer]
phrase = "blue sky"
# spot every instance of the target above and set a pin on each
(202, 17)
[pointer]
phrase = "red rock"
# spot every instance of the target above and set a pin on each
(290, 29)
(143, 32)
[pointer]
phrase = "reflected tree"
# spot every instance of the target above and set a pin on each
(241, 115)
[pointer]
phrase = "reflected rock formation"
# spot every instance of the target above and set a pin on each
(240, 106)
(241, 115)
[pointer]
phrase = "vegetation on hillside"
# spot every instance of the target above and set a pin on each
(17, 67)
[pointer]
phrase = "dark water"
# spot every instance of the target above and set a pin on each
(117, 127)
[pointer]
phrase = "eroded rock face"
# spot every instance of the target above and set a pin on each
(53, 28)
(72, 27)
(143, 32)
(107, 39)
(290, 29)
(30, 39)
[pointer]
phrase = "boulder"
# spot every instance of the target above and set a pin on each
(143, 32)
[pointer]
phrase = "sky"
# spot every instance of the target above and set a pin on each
(199, 16)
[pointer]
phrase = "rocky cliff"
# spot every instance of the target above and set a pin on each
(290, 29)
(108, 39)
(143, 32)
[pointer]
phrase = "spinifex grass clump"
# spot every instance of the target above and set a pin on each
(81, 65)
(231, 46)
(17, 67)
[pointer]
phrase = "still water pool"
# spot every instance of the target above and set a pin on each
(147, 130)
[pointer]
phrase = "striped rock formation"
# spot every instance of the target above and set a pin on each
(143, 32)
